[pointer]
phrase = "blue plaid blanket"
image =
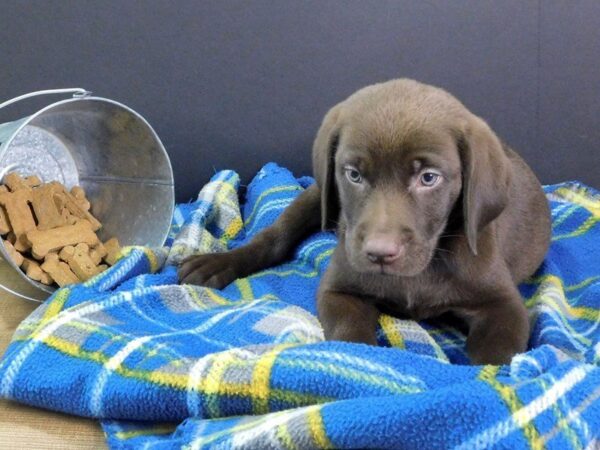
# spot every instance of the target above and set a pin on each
(167, 366)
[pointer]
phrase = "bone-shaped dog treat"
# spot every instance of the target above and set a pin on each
(79, 195)
(33, 181)
(58, 270)
(22, 244)
(112, 251)
(60, 201)
(79, 261)
(19, 215)
(14, 255)
(46, 211)
(46, 278)
(97, 253)
(15, 182)
(66, 253)
(34, 271)
(44, 242)
(75, 209)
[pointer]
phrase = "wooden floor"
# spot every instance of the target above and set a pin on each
(23, 427)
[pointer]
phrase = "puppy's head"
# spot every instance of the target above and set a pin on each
(393, 162)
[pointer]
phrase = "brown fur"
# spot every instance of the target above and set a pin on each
(406, 248)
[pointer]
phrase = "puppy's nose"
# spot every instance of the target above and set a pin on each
(382, 250)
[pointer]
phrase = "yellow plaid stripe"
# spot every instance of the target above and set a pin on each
(219, 299)
(261, 379)
(567, 287)
(350, 374)
(582, 229)
(158, 429)
(212, 383)
(580, 312)
(562, 422)
(581, 197)
(268, 192)
(285, 273)
(317, 428)
(245, 288)
(509, 395)
(150, 256)
(285, 438)
(564, 216)
(55, 306)
(391, 331)
(232, 230)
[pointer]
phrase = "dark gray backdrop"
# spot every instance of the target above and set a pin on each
(234, 84)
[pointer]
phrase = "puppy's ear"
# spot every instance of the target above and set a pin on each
(324, 149)
(486, 173)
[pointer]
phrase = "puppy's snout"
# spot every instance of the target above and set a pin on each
(382, 249)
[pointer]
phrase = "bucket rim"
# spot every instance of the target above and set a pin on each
(4, 146)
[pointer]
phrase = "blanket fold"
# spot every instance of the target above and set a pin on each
(168, 366)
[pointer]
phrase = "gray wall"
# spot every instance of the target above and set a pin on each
(234, 84)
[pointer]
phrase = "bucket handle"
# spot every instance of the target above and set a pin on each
(77, 93)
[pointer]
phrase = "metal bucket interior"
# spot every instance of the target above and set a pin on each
(110, 151)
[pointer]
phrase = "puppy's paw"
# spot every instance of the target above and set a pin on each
(214, 270)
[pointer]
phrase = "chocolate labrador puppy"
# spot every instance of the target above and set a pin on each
(433, 213)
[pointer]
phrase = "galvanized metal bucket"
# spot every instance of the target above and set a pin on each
(103, 146)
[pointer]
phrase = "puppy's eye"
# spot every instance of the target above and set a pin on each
(429, 178)
(353, 175)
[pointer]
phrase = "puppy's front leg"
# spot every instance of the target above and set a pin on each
(266, 249)
(345, 317)
(498, 331)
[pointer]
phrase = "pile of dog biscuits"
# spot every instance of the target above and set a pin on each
(50, 233)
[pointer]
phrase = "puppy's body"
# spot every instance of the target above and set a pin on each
(409, 246)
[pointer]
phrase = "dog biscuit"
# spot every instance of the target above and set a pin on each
(15, 182)
(79, 195)
(98, 253)
(75, 209)
(14, 254)
(34, 271)
(79, 261)
(46, 210)
(58, 270)
(44, 242)
(113, 249)
(19, 215)
(33, 181)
